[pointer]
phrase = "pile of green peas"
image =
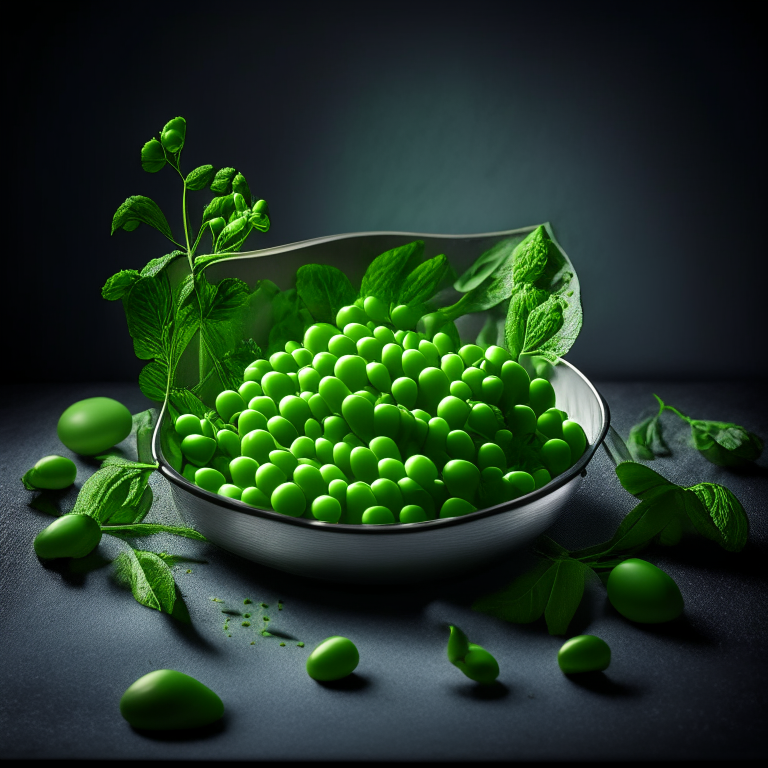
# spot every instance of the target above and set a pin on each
(369, 422)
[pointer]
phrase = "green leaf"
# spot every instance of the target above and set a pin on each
(525, 298)
(543, 323)
(150, 579)
(144, 425)
(525, 599)
(119, 285)
(148, 529)
(486, 264)
(458, 645)
(725, 444)
(549, 548)
(200, 178)
(649, 519)
(46, 502)
(149, 311)
(641, 481)
(386, 274)
(113, 486)
(240, 185)
(219, 207)
(153, 380)
(565, 596)
(646, 440)
(154, 267)
(140, 210)
(290, 318)
(222, 182)
(324, 290)
(719, 516)
(135, 513)
(492, 332)
(152, 156)
(531, 257)
(233, 234)
(185, 401)
(424, 281)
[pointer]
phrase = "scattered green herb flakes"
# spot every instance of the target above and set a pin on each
(264, 605)
(246, 624)
(282, 644)
(216, 600)
(247, 601)
(300, 645)
(189, 570)
(246, 615)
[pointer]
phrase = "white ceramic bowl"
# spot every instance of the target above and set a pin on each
(399, 553)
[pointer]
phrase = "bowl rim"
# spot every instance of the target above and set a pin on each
(235, 505)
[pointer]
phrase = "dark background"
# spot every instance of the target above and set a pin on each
(637, 129)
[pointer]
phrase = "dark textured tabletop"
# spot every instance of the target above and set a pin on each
(691, 689)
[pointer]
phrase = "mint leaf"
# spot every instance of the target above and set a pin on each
(222, 182)
(324, 290)
(524, 299)
(725, 444)
(148, 529)
(424, 281)
(565, 595)
(646, 440)
(234, 234)
(531, 256)
(135, 513)
(110, 488)
(150, 579)
(185, 401)
(140, 210)
(219, 207)
(641, 481)
(153, 380)
(543, 323)
(486, 264)
(386, 274)
(119, 285)
(155, 266)
(200, 178)
(719, 516)
(149, 311)
(525, 599)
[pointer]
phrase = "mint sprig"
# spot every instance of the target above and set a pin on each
(555, 585)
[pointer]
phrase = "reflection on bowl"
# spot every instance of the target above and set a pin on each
(398, 553)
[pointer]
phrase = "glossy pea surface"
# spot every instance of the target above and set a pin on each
(52, 473)
(94, 425)
(641, 592)
(584, 653)
(334, 658)
(68, 536)
(169, 700)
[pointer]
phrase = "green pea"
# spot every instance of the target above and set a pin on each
(574, 435)
(291, 346)
(230, 491)
(209, 479)
(51, 473)
(404, 318)
(489, 368)
(454, 411)
(384, 334)
(386, 421)
(228, 442)
(471, 354)
(504, 439)
(228, 403)
(334, 658)
(338, 489)
(257, 445)
(309, 380)
(419, 414)
(414, 494)
(405, 391)
(411, 341)
(492, 388)
(388, 494)
(250, 389)
(459, 445)
(333, 390)
(187, 424)
(327, 509)
(462, 478)
(455, 507)
(474, 377)
(169, 700)
(497, 356)
(324, 363)
(421, 469)
(365, 465)
(433, 388)
(519, 483)
(294, 379)
(303, 447)
(265, 405)
(277, 385)
(443, 343)
(317, 336)
(221, 464)
(377, 515)
(550, 424)
(376, 309)
(319, 407)
(334, 428)
(310, 480)
(283, 362)
(288, 499)
(522, 420)
(491, 455)
(378, 375)
(391, 469)
(392, 358)
(385, 448)
(331, 472)
(584, 653)
(436, 436)
(483, 420)
(495, 489)
(430, 352)
(359, 498)
(556, 455)
(68, 536)
(461, 390)
(541, 477)
(198, 449)
(356, 331)
(453, 367)
(282, 430)
(359, 414)
(351, 314)
(296, 410)
(341, 345)
(256, 370)
(324, 450)
(413, 363)
(189, 472)
(312, 429)
(94, 425)
(418, 437)
(541, 396)
(253, 497)
(370, 349)
(412, 513)
(641, 592)
(243, 471)
(251, 419)
(303, 357)
(268, 477)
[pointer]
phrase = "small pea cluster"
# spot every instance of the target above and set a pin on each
(370, 422)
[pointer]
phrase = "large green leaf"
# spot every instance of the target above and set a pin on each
(386, 274)
(324, 290)
(140, 210)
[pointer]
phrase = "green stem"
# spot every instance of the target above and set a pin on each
(677, 413)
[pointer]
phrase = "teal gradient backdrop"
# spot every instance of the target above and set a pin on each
(636, 130)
